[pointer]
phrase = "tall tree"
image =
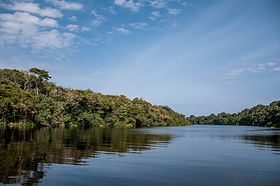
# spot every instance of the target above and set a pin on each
(41, 75)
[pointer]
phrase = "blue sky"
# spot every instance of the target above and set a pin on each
(198, 57)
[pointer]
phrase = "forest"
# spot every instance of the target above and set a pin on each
(27, 98)
(260, 115)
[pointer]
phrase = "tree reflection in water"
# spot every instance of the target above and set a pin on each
(271, 141)
(25, 152)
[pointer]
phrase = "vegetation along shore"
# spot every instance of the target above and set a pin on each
(260, 115)
(27, 98)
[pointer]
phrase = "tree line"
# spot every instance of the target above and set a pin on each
(27, 98)
(260, 115)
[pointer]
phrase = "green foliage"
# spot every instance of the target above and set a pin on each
(28, 98)
(259, 115)
(42, 74)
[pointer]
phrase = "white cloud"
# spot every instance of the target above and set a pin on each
(158, 3)
(110, 33)
(67, 5)
(235, 72)
(155, 15)
(130, 4)
(23, 18)
(52, 39)
(85, 29)
(48, 22)
(138, 25)
(122, 30)
(27, 30)
(174, 11)
(111, 10)
(50, 12)
(97, 18)
(72, 18)
(258, 68)
(72, 28)
(34, 8)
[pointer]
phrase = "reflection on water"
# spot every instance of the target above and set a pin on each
(264, 141)
(264, 138)
(191, 155)
(23, 153)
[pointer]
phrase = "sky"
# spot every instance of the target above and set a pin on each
(198, 57)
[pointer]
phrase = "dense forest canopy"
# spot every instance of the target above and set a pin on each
(27, 98)
(260, 115)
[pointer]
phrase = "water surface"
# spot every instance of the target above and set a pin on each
(193, 155)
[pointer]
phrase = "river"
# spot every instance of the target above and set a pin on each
(191, 155)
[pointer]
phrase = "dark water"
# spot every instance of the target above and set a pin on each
(195, 155)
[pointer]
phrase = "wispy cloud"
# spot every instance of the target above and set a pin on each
(34, 8)
(111, 9)
(52, 39)
(257, 68)
(85, 29)
(67, 5)
(138, 25)
(174, 11)
(130, 4)
(110, 33)
(72, 27)
(97, 18)
(72, 18)
(158, 3)
(122, 30)
(155, 15)
(184, 3)
(23, 18)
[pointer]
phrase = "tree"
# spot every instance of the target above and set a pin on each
(41, 75)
